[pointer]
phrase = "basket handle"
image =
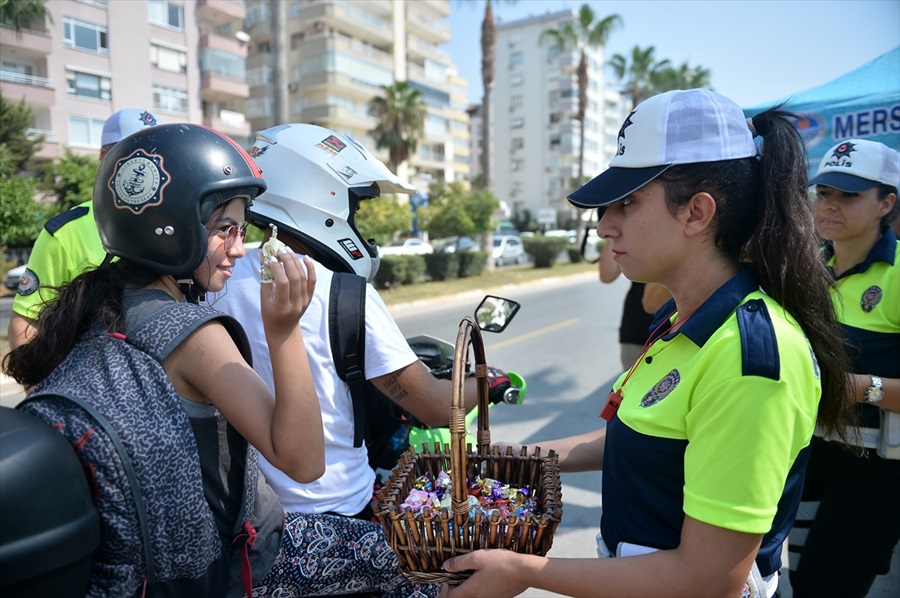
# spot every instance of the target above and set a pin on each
(468, 334)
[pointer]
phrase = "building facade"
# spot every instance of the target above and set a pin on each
(534, 102)
(182, 59)
(337, 55)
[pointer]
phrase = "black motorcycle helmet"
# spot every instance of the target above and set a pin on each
(157, 189)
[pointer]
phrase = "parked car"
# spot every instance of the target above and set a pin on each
(14, 276)
(453, 244)
(410, 246)
(508, 249)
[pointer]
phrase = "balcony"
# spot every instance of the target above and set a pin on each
(51, 149)
(230, 45)
(353, 16)
(217, 87)
(35, 90)
(428, 28)
(28, 42)
(219, 12)
(231, 123)
(338, 117)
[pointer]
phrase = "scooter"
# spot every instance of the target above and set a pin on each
(493, 314)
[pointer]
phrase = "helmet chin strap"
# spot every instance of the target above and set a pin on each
(193, 291)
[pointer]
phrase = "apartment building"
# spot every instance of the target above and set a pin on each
(182, 59)
(534, 101)
(337, 55)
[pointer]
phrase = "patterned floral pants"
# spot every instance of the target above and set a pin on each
(329, 555)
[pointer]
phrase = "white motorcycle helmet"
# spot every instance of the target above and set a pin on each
(315, 180)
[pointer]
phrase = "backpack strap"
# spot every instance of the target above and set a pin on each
(110, 431)
(162, 331)
(347, 328)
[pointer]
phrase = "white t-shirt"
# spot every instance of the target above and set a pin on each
(346, 487)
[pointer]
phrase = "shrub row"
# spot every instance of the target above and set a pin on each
(408, 269)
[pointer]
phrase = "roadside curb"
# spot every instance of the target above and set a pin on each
(397, 308)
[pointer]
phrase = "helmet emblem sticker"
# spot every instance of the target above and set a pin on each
(332, 145)
(347, 172)
(138, 181)
(351, 248)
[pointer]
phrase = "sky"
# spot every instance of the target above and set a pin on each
(758, 51)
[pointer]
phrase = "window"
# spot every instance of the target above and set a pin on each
(517, 123)
(85, 36)
(85, 132)
(264, 48)
(296, 39)
(169, 99)
(516, 80)
(518, 143)
(168, 59)
(555, 117)
(166, 13)
(515, 59)
(515, 102)
(86, 85)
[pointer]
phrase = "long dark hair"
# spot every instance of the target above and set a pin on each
(764, 218)
(91, 300)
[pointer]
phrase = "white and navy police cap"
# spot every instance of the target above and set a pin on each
(125, 122)
(858, 164)
(676, 127)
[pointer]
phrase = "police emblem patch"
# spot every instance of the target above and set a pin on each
(870, 299)
(28, 284)
(662, 389)
(138, 181)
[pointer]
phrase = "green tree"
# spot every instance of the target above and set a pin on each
(71, 179)
(401, 121)
(582, 33)
(638, 73)
(454, 210)
(21, 217)
(683, 77)
(15, 120)
(382, 218)
(19, 14)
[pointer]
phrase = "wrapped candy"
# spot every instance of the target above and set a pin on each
(486, 495)
(269, 249)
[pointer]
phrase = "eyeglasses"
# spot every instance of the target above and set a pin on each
(231, 234)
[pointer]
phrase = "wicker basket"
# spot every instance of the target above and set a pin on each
(422, 544)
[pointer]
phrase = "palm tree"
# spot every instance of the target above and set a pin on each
(401, 121)
(638, 75)
(19, 14)
(582, 33)
(683, 77)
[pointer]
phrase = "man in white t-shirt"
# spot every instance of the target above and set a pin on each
(316, 179)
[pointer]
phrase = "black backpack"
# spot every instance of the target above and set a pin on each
(377, 419)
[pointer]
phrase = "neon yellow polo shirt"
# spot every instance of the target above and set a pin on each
(714, 423)
(68, 245)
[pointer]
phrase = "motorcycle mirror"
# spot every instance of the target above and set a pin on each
(494, 313)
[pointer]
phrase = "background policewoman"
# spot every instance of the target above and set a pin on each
(708, 435)
(857, 524)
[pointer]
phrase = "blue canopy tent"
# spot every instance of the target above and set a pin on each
(863, 104)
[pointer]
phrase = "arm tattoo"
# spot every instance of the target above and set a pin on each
(394, 389)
